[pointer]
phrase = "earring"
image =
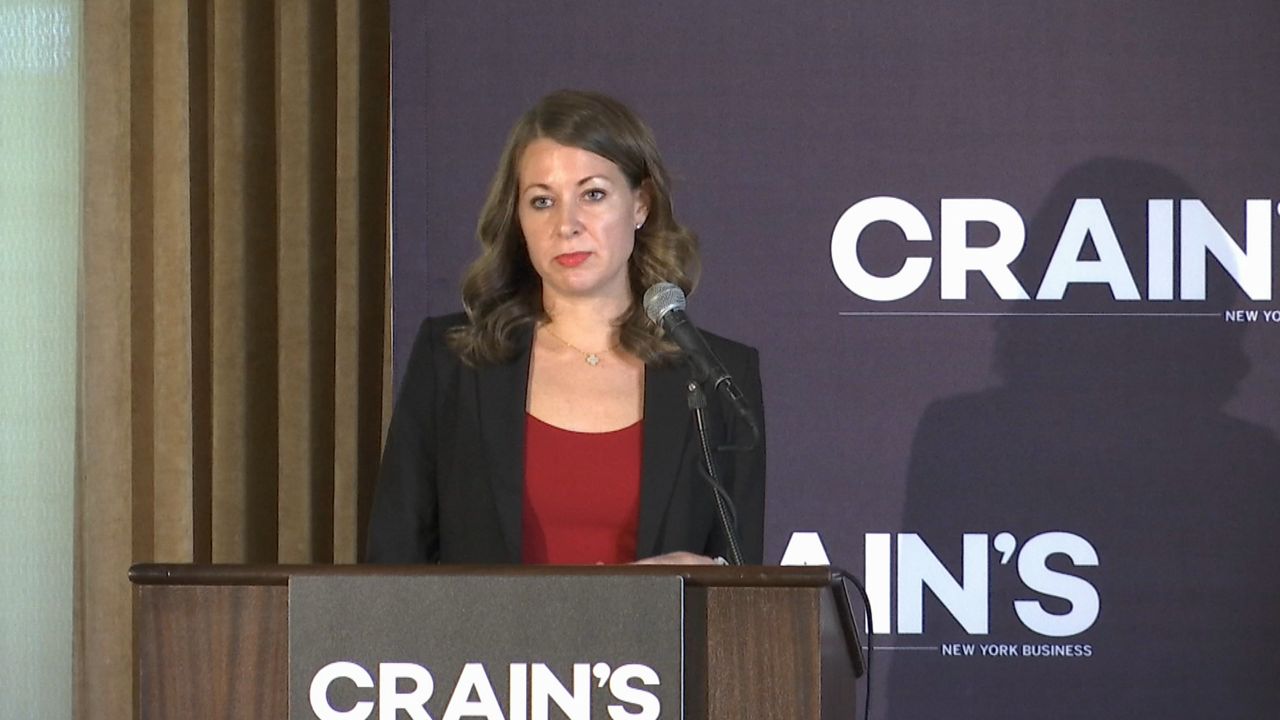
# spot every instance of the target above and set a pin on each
(639, 225)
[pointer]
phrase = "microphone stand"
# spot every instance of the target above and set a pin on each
(724, 504)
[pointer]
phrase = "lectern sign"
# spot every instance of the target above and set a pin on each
(500, 647)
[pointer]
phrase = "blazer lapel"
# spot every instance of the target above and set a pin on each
(503, 391)
(666, 422)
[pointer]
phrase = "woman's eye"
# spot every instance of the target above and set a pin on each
(595, 195)
(540, 203)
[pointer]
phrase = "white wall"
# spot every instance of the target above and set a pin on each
(40, 159)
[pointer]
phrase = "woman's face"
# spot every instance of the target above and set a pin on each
(579, 218)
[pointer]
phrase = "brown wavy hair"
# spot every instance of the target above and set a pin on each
(501, 292)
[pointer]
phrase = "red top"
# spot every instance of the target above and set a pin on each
(581, 494)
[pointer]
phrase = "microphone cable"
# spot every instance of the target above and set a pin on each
(839, 577)
(725, 510)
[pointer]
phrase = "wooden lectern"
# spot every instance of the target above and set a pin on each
(211, 641)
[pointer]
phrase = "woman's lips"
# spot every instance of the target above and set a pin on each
(573, 259)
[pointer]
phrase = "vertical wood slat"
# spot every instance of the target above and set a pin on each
(323, 249)
(199, 64)
(226, 227)
(104, 515)
(244, 351)
(296, 298)
(305, 111)
(160, 307)
(373, 410)
(259, 473)
(141, 269)
(171, 296)
(346, 358)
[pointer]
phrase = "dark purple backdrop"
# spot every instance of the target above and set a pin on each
(1153, 439)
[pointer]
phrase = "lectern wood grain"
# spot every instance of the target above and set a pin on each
(212, 652)
(762, 653)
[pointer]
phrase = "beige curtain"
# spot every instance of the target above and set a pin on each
(234, 296)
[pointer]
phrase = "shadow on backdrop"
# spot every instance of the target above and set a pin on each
(1113, 429)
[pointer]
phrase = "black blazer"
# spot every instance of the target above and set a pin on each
(451, 486)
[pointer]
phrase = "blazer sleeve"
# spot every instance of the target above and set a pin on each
(749, 472)
(403, 526)
(747, 468)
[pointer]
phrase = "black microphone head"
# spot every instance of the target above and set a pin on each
(662, 298)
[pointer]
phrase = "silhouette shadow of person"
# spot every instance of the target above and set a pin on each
(1108, 427)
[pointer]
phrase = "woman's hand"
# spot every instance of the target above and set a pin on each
(679, 558)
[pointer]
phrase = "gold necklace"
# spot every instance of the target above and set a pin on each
(592, 358)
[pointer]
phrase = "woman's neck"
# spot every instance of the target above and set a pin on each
(586, 322)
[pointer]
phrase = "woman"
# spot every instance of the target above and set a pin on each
(549, 423)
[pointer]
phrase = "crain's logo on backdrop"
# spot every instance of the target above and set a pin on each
(534, 688)
(966, 595)
(1199, 235)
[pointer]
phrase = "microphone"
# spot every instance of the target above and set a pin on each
(664, 303)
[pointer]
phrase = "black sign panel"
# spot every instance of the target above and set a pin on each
(495, 647)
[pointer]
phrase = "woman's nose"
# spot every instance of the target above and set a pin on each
(569, 223)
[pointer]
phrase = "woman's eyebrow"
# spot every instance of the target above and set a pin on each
(583, 181)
